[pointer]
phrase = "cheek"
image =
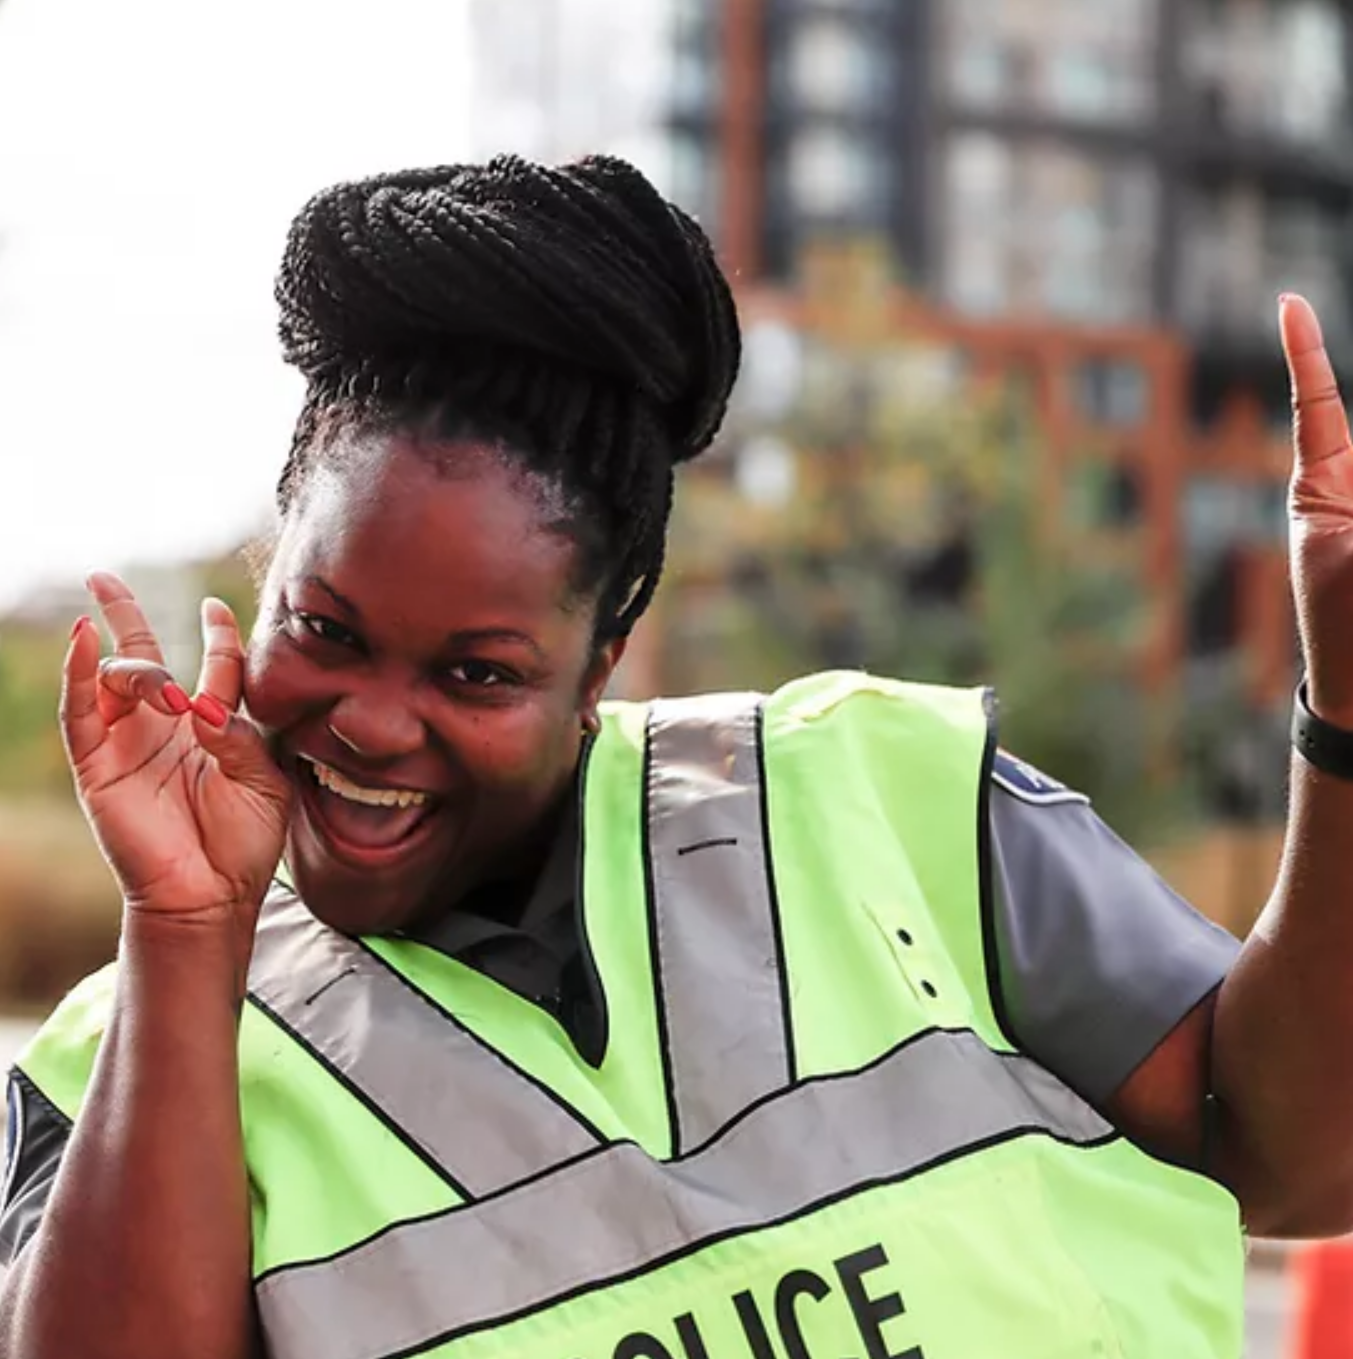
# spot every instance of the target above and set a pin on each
(526, 751)
(278, 687)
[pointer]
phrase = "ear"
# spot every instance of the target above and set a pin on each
(599, 671)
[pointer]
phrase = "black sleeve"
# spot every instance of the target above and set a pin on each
(35, 1140)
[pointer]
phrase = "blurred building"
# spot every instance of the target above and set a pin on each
(1127, 162)
(1104, 199)
(1100, 200)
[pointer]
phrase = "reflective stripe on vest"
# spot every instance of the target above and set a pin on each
(619, 1211)
(408, 1060)
(716, 932)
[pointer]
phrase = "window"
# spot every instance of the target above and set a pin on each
(1276, 68)
(692, 79)
(1214, 605)
(835, 175)
(694, 183)
(979, 190)
(1042, 228)
(1082, 60)
(980, 72)
(1111, 391)
(837, 67)
(1240, 249)
(1105, 494)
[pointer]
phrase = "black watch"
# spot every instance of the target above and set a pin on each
(1321, 744)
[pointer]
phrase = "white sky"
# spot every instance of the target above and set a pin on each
(152, 153)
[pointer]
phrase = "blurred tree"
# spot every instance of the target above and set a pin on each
(32, 763)
(914, 538)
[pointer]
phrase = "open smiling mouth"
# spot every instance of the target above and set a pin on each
(366, 826)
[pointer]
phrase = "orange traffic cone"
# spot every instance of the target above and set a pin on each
(1323, 1314)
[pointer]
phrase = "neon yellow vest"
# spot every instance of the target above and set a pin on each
(808, 1138)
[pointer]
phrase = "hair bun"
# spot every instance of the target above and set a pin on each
(584, 265)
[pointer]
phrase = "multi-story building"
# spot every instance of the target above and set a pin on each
(1123, 162)
(1103, 199)
(1107, 197)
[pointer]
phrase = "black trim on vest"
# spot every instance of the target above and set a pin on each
(717, 1238)
(991, 954)
(587, 959)
(364, 1100)
(654, 947)
(777, 922)
(827, 1078)
(553, 1096)
(42, 1135)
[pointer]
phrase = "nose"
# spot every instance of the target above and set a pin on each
(378, 725)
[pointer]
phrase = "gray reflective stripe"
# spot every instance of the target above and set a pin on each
(472, 1115)
(619, 1211)
(713, 913)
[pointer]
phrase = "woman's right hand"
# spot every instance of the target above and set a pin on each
(187, 805)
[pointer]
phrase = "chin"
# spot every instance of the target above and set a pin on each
(366, 888)
(353, 901)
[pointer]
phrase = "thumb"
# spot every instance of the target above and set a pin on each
(1319, 424)
(238, 747)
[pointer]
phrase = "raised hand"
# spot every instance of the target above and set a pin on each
(1321, 512)
(185, 801)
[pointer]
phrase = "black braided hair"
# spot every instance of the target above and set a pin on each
(569, 315)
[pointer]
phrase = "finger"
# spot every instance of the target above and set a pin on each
(132, 633)
(238, 748)
(1320, 424)
(125, 684)
(222, 674)
(83, 729)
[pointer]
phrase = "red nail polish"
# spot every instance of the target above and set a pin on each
(79, 623)
(178, 701)
(211, 710)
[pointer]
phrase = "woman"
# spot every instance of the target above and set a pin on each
(725, 1025)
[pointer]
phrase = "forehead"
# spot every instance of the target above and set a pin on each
(390, 517)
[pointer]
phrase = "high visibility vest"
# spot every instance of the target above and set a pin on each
(809, 1136)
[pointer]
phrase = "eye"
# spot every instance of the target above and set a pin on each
(324, 628)
(478, 674)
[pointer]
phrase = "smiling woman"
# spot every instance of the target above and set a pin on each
(459, 1012)
(422, 641)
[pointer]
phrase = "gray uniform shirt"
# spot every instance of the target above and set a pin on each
(1098, 961)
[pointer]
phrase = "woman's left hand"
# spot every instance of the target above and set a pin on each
(1320, 508)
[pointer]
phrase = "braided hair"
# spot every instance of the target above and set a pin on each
(567, 316)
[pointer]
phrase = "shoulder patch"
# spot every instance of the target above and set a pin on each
(1023, 781)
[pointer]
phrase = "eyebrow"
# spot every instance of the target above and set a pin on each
(468, 637)
(464, 638)
(342, 601)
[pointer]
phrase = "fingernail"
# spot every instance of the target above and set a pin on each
(79, 623)
(1284, 297)
(211, 710)
(178, 701)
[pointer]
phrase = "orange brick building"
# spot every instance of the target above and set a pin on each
(1103, 201)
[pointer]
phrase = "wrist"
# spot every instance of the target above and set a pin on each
(1327, 707)
(203, 942)
(1322, 743)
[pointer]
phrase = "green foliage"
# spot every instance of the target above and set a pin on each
(32, 762)
(1044, 613)
(31, 758)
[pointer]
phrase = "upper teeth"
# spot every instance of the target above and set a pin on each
(372, 797)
